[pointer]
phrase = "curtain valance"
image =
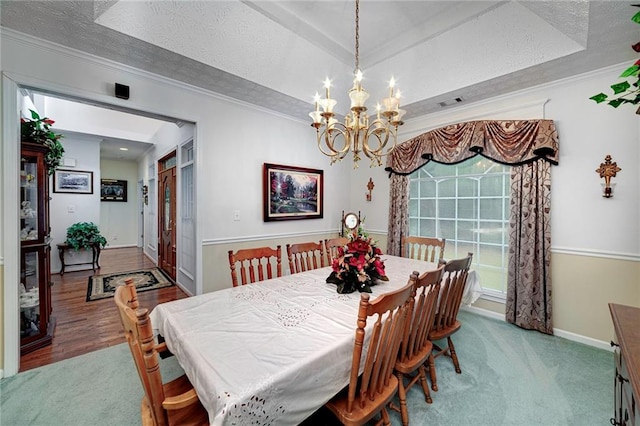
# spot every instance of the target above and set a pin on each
(511, 142)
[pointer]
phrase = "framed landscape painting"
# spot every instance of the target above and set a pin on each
(292, 192)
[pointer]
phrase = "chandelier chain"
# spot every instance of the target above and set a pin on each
(357, 35)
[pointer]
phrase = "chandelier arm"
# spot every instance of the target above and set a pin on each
(388, 132)
(329, 136)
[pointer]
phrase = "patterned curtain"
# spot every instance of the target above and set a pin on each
(525, 144)
(529, 275)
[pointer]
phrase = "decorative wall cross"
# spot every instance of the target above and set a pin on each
(607, 170)
(370, 187)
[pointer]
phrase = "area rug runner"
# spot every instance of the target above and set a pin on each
(104, 286)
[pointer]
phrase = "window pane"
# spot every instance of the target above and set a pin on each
(413, 208)
(490, 255)
(467, 209)
(466, 231)
(447, 229)
(413, 191)
(427, 227)
(413, 226)
(467, 187)
(427, 188)
(428, 208)
(463, 248)
(491, 185)
(491, 208)
(447, 188)
(491, 232)
(447, 208)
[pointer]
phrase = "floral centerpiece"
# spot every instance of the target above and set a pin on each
(358, 265)
(37, 130)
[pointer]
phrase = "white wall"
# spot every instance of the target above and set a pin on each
(67, 209)
(119, 220)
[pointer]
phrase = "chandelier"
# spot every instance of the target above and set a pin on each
(375, 136)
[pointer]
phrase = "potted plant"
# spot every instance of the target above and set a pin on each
(83, 235)
(37, 130)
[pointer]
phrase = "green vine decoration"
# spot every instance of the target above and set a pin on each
(628, 90)
(37, 130)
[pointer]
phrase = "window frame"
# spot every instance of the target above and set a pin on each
(477, 221)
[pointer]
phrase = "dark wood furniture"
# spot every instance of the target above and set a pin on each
(174, 402)
(254, 260)
(36, 323)
(446, 323)
(626, 324)
(95, 256)
(305, 256)
(367, 395)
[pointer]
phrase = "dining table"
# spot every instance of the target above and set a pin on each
(272, 352)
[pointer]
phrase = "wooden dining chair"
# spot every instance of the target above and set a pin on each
(445, 323)
(416, 347)
(254, 260)
(423, 248)
(331, 246)
(368, 394)
(305, 256)
(171, 403)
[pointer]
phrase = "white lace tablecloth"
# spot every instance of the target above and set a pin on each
(273, 352)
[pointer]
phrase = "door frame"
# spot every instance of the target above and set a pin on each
(160, 198)
(11, 84)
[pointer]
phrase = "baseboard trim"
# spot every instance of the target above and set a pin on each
(109, 247)
(589, 341)
(583, 339)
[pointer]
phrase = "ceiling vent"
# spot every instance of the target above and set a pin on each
(450, 102)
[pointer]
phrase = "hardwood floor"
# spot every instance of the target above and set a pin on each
(83, 327)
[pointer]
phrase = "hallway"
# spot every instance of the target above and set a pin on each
(83, 327)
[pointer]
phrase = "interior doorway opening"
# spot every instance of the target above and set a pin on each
(74, 210)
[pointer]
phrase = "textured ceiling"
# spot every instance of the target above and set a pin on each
(275, 54)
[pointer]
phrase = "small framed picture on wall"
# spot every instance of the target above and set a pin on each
(113, 190)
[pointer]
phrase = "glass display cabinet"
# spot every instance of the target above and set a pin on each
(36, 323)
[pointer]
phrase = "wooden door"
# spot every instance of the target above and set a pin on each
(167, 215)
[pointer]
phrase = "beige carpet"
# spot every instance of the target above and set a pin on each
(104, 286)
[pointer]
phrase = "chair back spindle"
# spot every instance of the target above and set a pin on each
(255, 261)
(331, 246)
(423, 248)
(451, 291)
(305, 256)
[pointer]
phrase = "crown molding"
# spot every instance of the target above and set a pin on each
(29, 40)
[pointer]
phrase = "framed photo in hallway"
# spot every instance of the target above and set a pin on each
(291, 192)
(113, 190)
(73, 181)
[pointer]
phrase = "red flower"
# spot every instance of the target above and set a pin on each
(48, 121)
(358, 261)
(379, 267)
(377, 251)
(358, 246)
(335, 265)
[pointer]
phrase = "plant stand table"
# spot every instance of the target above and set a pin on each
(95, 256)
